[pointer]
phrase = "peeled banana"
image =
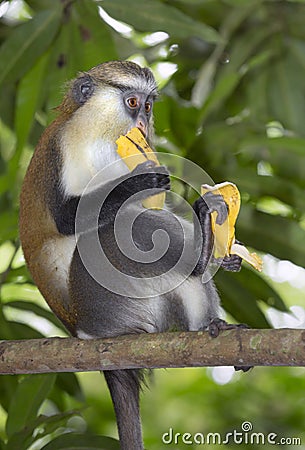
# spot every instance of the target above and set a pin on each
(224, 234)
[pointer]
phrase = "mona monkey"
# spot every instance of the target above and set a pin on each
(99, 106)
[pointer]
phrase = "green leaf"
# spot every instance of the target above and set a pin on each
(8, 226)
(8, 386)
(241, 62)
(83, 41)
(38, 5)
(275, 151)
(29, 40)
(220, 93)
(6, 331)
(285, 104)
(187, 117)
(26, 401)
(157, 16)
(248, 181)
(195, 2)
(215, 148)
(73, 441)
(237, 16)
(297, 48)
(228, 81)
(204, 84)
(240, 51)
(33, 307)
(259, 107)
(205, 78)
(45, 424)
(29, 95)
(18, 330)
(68, 382)
(97, 44)
(62, 66)
(279, 236)
(262, 291)
(240, 3)
(7, 104)
(18, 276)
(239, 300)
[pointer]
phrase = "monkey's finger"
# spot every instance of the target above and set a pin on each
(159, 180)
(164, 182)
(162, 169)
(144, 167)
(231, 263)
(216, 203)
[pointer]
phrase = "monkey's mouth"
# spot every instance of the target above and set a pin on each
(142, 126)
(143, 132)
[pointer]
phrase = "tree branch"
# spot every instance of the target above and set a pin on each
(246, 347)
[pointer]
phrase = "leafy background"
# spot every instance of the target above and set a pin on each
(231, 75)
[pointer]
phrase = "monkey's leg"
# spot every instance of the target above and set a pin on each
(218, 325)
(124, 387)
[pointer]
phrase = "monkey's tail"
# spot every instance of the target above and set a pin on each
(124, 387)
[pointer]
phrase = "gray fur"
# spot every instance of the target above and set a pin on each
(177, 301)
(102, 313)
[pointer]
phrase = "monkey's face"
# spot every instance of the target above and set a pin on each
(106, 102)
(111, 112)
(113, 98)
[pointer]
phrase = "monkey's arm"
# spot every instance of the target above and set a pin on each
(109, 198)
(203, 207)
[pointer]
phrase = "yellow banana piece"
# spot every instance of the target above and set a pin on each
(224, 234)
(134, 150)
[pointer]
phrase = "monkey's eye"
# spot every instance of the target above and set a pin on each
(132, 102)
(147, 107)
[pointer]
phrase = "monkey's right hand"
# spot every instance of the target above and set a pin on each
(145, 180)
(147, 175)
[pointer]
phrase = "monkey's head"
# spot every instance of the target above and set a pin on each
(100, 105)
(112, 98)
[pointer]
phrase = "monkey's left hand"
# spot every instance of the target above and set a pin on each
(203, 208)
(231, 263)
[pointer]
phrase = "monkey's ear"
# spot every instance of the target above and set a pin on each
(82, 89)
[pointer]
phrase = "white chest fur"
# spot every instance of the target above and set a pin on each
(92, 158)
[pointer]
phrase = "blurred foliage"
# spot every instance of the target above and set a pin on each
(233, 102)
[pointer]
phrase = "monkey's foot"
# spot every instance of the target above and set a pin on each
(217, 325)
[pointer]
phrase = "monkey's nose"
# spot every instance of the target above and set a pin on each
(142, 126)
